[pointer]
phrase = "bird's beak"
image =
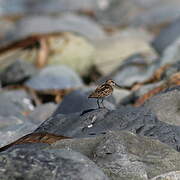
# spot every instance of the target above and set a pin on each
(118, 86)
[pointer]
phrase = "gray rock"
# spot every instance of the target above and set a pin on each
(177, 88)
(9, 121)
(33, 146)
(67, 22)
(133, 157)
(173, 175)
(124, 155)
(137, 12)
(17, 72)
(14, 132)
(95, 122)
(113, 51)
(37, 164)
(134, 70)
(166, 106)
(14, 103)
(174, 68)
(167, 36)
(13, 121)
(78, 101)
(55, 77)
(35, 7)
(171, 54)
(41, 113)
(79, 124)
(109, 11)
(147, 87)
(133, 74)
(120, 94)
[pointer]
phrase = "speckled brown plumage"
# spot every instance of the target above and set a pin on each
(102, 91)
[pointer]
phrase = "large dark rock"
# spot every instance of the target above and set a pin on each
(166, 106)
(124, 155)
(76, 124)
(17, 72)
(38, 164)
(167, 36)
(94, 122)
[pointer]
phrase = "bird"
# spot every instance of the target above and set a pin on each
(103, 91)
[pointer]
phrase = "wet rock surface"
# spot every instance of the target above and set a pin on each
(45, 164)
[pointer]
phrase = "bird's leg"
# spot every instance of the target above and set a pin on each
(98, 103)
(102, 102)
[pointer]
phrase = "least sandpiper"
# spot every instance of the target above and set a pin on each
(103, 91)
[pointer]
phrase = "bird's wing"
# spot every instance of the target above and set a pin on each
(101, 91)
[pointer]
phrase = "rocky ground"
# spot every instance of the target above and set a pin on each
(54, 54)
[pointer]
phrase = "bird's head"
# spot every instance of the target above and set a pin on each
(112, 83)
